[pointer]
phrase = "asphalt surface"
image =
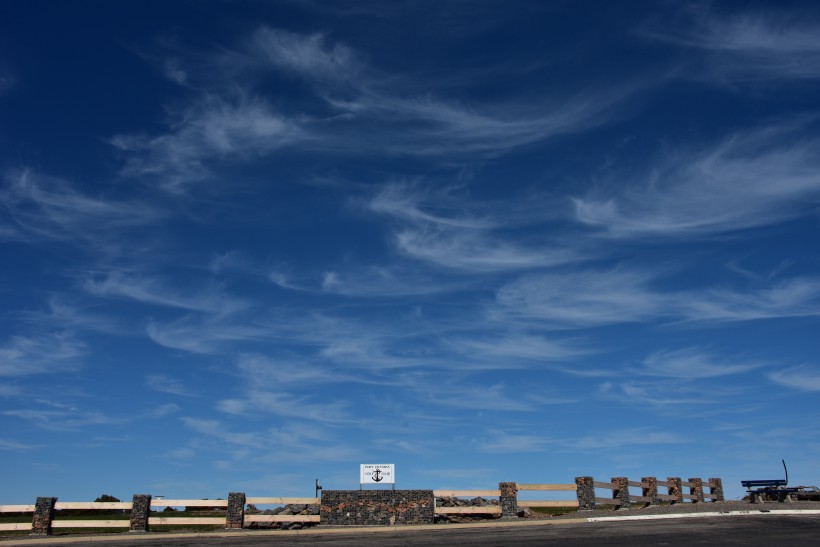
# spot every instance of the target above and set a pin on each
(757, 529)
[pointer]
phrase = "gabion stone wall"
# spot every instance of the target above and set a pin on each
(377, 507)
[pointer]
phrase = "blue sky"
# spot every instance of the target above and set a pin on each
(249, 244)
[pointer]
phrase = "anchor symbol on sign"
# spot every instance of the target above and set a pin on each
(377, 475)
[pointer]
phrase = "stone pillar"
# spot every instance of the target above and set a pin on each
(508, 499)
(585, 492)
(43, 515)
(140, 511)
(675, 489)
(716, 489)
(649, 490)
(235, 517)
(620, 491)
(696, 490)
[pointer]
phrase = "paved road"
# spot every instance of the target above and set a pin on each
(766, 530)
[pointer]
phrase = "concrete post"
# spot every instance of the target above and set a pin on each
(675, 489)
(508, 499)
(696, 490)
(140, 511)
(43, 516)
(620, 491)
(235, 516)
(585, 492)
(716, 489)
(649, 490)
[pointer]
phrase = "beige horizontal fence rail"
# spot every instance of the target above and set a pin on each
(137, 515)
(15, 526)
(466, 509)
(546, 488)
(91, 506)
(269, 519)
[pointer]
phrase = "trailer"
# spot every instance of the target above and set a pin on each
(763, 490)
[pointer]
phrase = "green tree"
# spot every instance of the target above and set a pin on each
(106, 497)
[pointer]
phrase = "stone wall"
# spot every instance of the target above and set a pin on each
(377, 507)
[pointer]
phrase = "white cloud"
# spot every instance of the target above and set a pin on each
(691, 363)
(8, 444)
(763, 46)
(307, 55)
(41, 354)
(168, 384)
(354, 110)
(155, 291)
(49, 208)
(804, 378)
(629, 437)
(210, 131)
(442, 228)
(583, 298)
(509, 443)
(751, 179)
(65, 418)
(795, 297)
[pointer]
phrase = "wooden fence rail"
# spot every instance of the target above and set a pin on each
(46, 513)
(137, 515)
(546, 488)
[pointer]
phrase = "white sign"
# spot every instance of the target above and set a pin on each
(377, 473)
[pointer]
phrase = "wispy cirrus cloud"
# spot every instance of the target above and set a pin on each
(40, 207)
(68, 418)
(692, 363)
(445, 229)
(212, 130)
(291, 442)
(752, 179)
(155, 291)
(793, 297)
(804, 378)
(586, 298)
(754, 46)
(45, 353)
(168, 384)
(348, 107)
(12, 445)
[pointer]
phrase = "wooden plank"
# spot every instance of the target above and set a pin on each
(636, 484)
(710, 496)
(491, 510)
(665, 484)
(465, 493)
(16, 508)
(667, 497)
(688, 497)
(179, 521)
(282, 501)
(607, 501)
(548, 503)
(15, 527)
(189, 503)
(123, 523)
(687, 485)
(644, 499)
(549, 487)
(60, 505)
(282, 518)
(607, 485)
